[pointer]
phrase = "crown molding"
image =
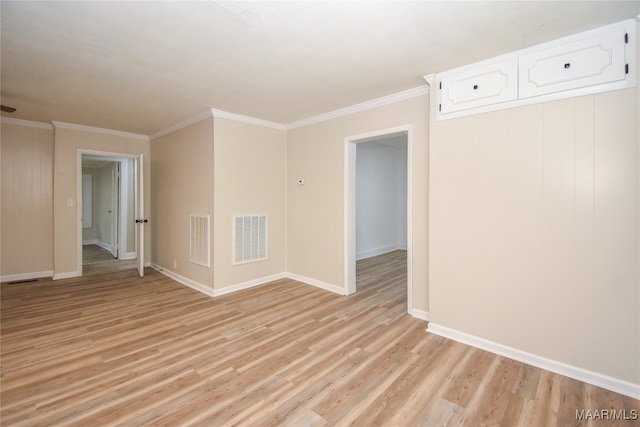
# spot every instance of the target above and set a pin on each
(367, 105)
(83, 128)
(183, 124)
(429, 78)
(26, 123)
(247, 119)
(374, 103)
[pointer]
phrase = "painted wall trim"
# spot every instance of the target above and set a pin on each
(26, 123)
(419, 314)
(183, 124)
(104, 245)
(600, 380)
(429, 78)
(67, 275)
(367, 105)
(83, 128)
(249, 284)
(317, 283)
(128, 255)
(26, 276)
(247, 119)
(216, 292)
(379, 251)
(183, 280)
(213, 112)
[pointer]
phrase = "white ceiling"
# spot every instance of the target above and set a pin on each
(144, 66)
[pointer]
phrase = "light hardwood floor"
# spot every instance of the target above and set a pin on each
(118, 350)
(96, 260)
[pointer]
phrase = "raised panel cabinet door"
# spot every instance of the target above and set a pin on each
(485, 85)
(592, 61)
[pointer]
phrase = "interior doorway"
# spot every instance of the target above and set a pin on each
(108, 206)
(378, 204)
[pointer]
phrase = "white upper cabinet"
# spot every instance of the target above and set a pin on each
(588, 62)
(482, 86)
(595, 61)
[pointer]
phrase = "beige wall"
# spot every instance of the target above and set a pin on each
(250, 169)
(27, 200)
(534, 230)
(315, 215)
(67, 144)
(182, 175)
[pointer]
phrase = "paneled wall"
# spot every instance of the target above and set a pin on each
(27, 201)
(534, 238)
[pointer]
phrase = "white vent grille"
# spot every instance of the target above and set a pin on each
(250, 238)
(199, 252)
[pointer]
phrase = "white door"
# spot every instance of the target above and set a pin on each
(140, 219)
(113, 213)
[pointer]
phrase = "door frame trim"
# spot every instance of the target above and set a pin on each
(350, 206)
(116, 157)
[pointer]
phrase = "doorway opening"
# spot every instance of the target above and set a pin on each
(107, 209)
(378, 208)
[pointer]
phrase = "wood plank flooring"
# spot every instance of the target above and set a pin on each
(118, 350)
(96, 260)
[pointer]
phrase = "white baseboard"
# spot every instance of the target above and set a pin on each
(216, 292)
(67, 275)
(610, 383)
(103, 245)
(26, 276)
(247, 285)
(378, 251)
(90, 242)
(419, 314)
(127, 255)
(317, 283)
(183, 280)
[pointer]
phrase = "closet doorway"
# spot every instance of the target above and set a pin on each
(378, 208)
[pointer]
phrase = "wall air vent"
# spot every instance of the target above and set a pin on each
(249, 238)
(199, 246)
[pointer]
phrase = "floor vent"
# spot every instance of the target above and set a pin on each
(249, 238)
(21, 282)
(199, 252)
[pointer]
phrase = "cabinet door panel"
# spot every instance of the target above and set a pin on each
(479, 87)
(588, 62)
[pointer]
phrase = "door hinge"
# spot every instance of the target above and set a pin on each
(440, 85)
(439, 107)
(626, 38)
(626, 68)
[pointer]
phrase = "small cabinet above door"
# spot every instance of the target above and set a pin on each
(588, 62)
(598, 60)
(481, 86)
